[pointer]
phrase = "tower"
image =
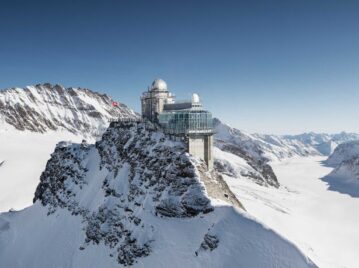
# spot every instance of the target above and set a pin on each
(153, 100)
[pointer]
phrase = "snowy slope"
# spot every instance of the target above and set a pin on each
(269, 147)
(47, 107)
(345, 177)
(343, 152)
(243, 146)
(348, 170)
(322, 142)
(24, 155)
(276, 147)
(136, 198)
(323, 223)
(33, 120)
(231, 163)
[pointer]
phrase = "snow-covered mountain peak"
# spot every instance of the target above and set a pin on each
(46, 107)
(345, 151)
(345, 176)
(348, 170)
(136, 198)
(278, 147)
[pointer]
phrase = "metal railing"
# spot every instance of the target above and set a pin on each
(127, 120)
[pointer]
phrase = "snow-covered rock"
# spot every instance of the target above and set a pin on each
(261, 146)
(343, 152)
(47, 107)
(347, 170)
(345, 177)
(240, 145)
(235, 166)
(33, 120)
(259, 151)
(136, 198)
(279, 147)
(322, 142)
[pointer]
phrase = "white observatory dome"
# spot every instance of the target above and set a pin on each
(159, 84)
(195, 98)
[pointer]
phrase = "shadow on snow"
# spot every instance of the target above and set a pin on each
(340, 185)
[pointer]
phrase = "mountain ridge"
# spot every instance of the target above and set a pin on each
(278, 147)
(46, 107)
(135, 198)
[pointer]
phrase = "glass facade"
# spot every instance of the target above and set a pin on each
(186, 121)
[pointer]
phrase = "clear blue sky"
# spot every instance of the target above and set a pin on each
(262, 66)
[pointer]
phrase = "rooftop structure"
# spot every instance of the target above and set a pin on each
(153, 100)
(186, 119)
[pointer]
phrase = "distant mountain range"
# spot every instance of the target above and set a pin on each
(278, 147)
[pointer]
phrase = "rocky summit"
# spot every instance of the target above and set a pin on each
(135, 197)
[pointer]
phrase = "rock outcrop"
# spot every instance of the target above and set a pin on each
(139, 169)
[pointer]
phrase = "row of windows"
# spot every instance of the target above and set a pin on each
(186, 121)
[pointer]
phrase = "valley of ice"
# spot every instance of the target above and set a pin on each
(323, 223)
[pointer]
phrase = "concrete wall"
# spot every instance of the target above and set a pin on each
(208, 151)
(201, 146)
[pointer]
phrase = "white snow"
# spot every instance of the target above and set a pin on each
(323, 223)
(343, 152)
(238, 164)
(24, 155)
(31, 239)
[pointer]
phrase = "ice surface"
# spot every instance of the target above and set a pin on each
(321, 222)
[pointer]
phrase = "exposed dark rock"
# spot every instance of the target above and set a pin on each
(148, 166)
(210, 242)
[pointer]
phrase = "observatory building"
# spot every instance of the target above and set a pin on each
(186, 119)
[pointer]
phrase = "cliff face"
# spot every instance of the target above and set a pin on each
(136, 198)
